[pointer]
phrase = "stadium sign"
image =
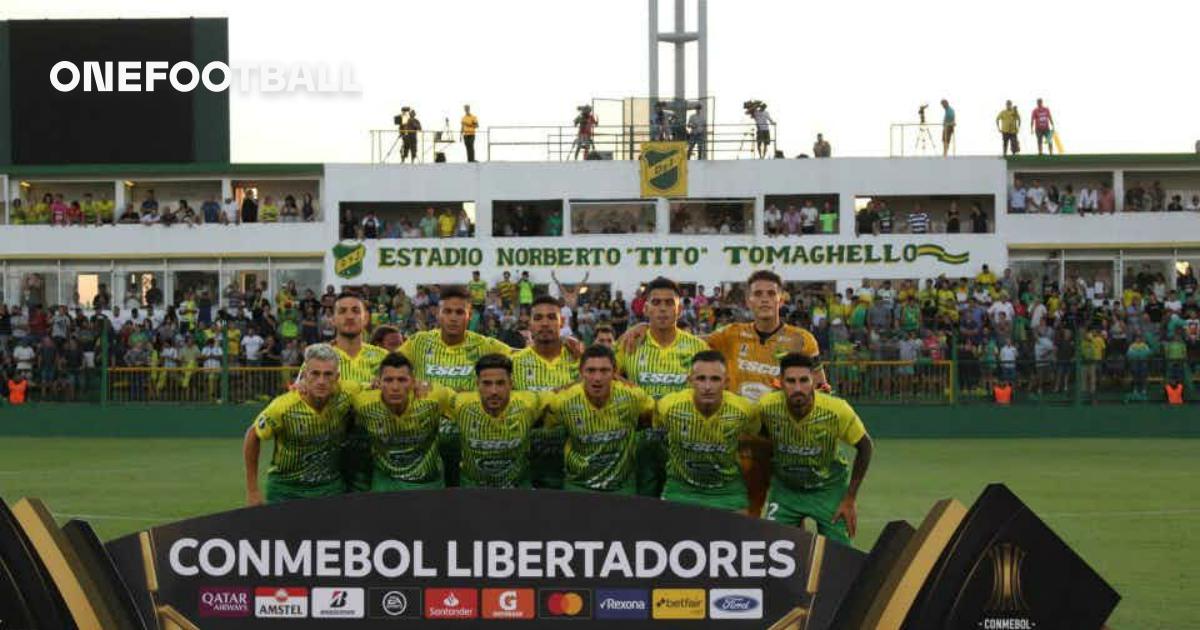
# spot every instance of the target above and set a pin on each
(616, 260)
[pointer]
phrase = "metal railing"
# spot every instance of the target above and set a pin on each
(563, 143)
(199, 385)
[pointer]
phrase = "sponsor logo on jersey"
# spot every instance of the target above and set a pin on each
(451, 603)
(565, 604)
(509, 603)
(678, 603)
(272, 602)
(729, 603)
(449, 371)
(623, 603)
(338, 603)
(224, 602)
(754, 367)
(395, 603)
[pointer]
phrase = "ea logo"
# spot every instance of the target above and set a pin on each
(395, 603)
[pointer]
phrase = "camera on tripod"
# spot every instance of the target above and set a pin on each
(753, 106)
(921, 112)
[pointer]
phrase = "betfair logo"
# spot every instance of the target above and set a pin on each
(678, 603)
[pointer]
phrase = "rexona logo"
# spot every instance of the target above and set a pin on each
(395, 603)
(735, 603)
(338, 603)
(623, 603)
(678, 603)
(224, 602)
(451, 603)
(565, 604)
(509, 603)
(272, 602)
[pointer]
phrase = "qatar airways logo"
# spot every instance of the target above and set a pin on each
(216, 76)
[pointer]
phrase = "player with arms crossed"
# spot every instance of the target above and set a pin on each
(658, 362)
(358, 362)
(809, 477)
(308, 425)
(546, 365)
(494, 424)
(403, 428)
(600, 417)
(704, 426)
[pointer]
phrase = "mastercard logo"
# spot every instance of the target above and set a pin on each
(556, 603)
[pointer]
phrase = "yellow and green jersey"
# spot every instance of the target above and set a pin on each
(307, 442)
(478, 292)
(495, 451)
(532, 373)
(451, 366)
(601, 449)
(660, 370)
(702, 451)
(363, 367)
(806, 450)
(404, 447)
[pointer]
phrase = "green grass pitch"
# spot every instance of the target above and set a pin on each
(1130, 507)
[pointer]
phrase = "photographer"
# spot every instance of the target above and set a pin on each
(697, 129)
(586, 123)
(409, 129)
(762, 125)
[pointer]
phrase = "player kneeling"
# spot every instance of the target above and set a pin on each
(402, 428)
(704, 426)
(308, 425)
(809, 476)
(601, 418)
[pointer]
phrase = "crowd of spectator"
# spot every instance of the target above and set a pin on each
(1084, 198)
(879, 218)
(807, 219)
(53, 209)
(434, 223)
(1027, 332)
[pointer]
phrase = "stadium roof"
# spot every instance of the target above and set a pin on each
(187, 168)
(1107, 160)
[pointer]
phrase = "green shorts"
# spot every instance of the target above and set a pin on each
(546, 457)
(450, 450)
(627, 487)
(732, 497)
(356, 463)
(651, 462)
(790, 506)
(382, 482)
(279, 491)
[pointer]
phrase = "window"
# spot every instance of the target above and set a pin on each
(177, 195)
(416, 219)
(924, 214)
(1159, 191)
(279, 200)
(527, 218)
(296, 285)
(142, 289)
(200, 283)
(712, 216)
(33, 288)
(792, 215)
(1034, 276)
(1158, 276)
(612, 217)
(1055, 189)
(1091, 278)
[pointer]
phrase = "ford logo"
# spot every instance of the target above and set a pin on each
(736, 603)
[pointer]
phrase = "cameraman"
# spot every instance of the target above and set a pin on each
(409, 129)
(762, 126)
(586, 123)
(697, 128)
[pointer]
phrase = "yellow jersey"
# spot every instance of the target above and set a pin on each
(702, 451)
(806, 452)
(661, 370)
(601, 446)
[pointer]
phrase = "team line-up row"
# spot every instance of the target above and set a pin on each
(670, 415)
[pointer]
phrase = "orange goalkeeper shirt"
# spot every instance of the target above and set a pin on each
(753, 362)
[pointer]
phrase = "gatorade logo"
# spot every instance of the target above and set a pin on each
(565, 604)
(509, 603)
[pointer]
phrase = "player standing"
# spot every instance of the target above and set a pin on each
(544, 366)
(659, 363)
(358, 362)
(447, 356)
(402, 428)
(703, 426)
(809, 477)
(494, 425)
(308, 426)
(600, 418)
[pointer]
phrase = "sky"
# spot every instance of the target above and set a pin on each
(1118, 78)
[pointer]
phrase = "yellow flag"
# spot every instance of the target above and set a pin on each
(664, 169)
(1058, 143)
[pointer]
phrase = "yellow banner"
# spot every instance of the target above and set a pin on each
(664, 169)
